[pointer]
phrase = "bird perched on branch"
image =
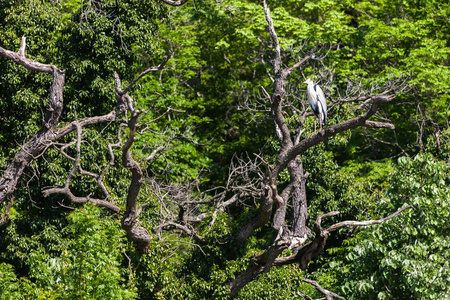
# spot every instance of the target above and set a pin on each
(316, 99)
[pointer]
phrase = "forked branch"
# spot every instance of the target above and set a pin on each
(65, 190)
(148, 70)
(42, 139)
(313, 248)
(20, 59)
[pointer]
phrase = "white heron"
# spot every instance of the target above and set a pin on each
(316, 99)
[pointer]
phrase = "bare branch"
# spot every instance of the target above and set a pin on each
(374, 124)
(19, 58)
(265, 93)
(175, 3)
(304, 296)
(151, 69)
(318, 222)
(41, 140)
(364, 223)
(157, 150)
(110, 117)
(80, 200)
(313, 248)
(64, 147)
(183, 228)
(273, 35)
(136, 233)
(328, 294)
(141, 207)
(66, 189)
(311, 55)
(323, 135)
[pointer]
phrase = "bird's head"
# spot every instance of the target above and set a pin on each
(308, 81)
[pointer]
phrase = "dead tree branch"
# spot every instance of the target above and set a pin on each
(66, 189)
(329, 295)
(374, 124)
(310, 250)
(41, 140)
(148, 70)
(183, 228)
(175, 3)
(364, 223)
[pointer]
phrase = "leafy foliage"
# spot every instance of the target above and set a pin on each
(221, 61)
(407, 256)
(84, 259)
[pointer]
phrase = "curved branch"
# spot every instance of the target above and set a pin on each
(183, 228)
(66, 189)
(41, 140)
(273, 35)
(19, 58)
(80, 200)
(281, 128)
(329, 295)
(328, 132)
(364, 223)
(129, 220)
(312, 55)
(318, 222)
(175, 3)
(374, 124)
(69, 128)
(313, 248)
(151, 69)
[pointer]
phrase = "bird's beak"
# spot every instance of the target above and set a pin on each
(305, 82)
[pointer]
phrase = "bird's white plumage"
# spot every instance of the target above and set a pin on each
(316, 99)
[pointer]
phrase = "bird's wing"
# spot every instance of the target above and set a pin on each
(321, 99)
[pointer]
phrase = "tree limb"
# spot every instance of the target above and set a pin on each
(374, 124)
(175, 3)
(183, 228)
(80, 200)
(273, 35)
(19, 58)
(150, 69)
(311, 55)
(364, 223)
(298, 149)
(48, 135)
(66, 189)
(40, 141)
(129, 220)
(329, 295)
(313, 248)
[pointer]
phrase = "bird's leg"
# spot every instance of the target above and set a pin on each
(320, 123)
(315, 125)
